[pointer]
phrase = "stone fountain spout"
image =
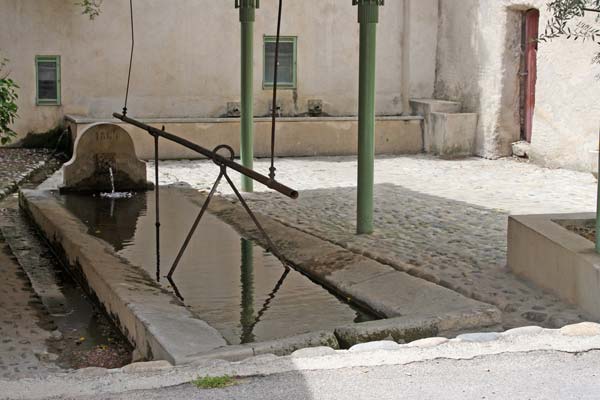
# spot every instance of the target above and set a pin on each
(104, 161)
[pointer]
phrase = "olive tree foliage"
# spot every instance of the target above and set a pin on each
(566, 21)
(8, 104)
(91, 8)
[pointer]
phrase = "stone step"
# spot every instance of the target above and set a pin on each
(424, 107)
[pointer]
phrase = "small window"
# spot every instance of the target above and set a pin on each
(48, 80)
(286, 74)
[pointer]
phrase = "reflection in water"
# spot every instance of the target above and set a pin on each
(256, 301)
(101, 215)
(247, 280)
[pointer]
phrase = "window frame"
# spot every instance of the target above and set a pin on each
(48, 102)
(283, 39)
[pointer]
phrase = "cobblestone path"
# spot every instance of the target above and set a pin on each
(444, 221)
(16, 164)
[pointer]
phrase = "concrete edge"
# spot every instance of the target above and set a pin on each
(351, 273)
(158, 325)
(573, 339)
(79, 119)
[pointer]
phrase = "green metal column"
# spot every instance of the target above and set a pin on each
(368, 17)
(247, 17)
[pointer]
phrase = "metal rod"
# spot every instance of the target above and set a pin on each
(157, 207)
(196, 222)
(274, 107)
(272, 248)
(130, 57)
(220, 160)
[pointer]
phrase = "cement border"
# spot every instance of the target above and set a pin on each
(572, 339)
(543, 251)
(148, 316)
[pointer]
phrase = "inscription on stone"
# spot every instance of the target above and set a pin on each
(99, 149)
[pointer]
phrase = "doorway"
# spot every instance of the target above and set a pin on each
(529, 46)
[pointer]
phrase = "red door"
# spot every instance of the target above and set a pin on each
(532, 21)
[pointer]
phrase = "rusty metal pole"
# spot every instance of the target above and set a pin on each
(368, 17)
(247, 18)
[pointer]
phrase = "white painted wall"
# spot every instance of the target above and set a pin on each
(478, 41)
(186, 62)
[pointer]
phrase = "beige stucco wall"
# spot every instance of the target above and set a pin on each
(296, 137)
(187, 55)
(477, 64)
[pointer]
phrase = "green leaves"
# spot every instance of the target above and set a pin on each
(91, 8)
(8, 105)
(562, 23)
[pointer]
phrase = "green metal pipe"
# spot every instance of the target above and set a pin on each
(247, 17)
(368, 16)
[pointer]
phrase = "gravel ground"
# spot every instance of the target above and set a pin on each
(444, 221)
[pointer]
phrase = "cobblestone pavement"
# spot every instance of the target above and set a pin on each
(17, 164)
(444, 221)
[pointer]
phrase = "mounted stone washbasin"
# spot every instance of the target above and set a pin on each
(104, 160)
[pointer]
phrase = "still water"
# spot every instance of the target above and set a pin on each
(230, 282)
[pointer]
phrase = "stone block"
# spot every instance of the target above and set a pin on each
(543, 251)
(424, 108)
(453, 135)
(102, 150)
(582, 329)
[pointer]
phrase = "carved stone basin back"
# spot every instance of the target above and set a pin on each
(100, 149)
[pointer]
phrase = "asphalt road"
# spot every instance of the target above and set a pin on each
(529, 375)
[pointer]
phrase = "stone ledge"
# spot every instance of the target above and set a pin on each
(380, 288)
(553, 257)
(106, 382)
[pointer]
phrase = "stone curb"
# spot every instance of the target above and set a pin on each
(144, 376)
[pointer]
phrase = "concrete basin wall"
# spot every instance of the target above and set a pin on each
(296, 137)
(553, 257)
(154, 321)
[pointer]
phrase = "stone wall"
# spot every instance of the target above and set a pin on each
(187, 59)
(478, 65)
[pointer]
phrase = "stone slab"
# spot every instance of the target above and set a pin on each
(379, 288)
(154, 321)
(553, 257)
(410, 328)
(453, 135)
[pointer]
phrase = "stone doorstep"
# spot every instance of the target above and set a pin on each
(556, 259)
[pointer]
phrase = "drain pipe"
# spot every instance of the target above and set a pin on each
(405, 75)
(368, 17)
(247, 18)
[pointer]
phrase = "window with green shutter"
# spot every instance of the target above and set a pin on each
(47, 70)
(286, 74)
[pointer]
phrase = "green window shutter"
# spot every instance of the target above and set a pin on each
(288, 53)
(47, 76)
